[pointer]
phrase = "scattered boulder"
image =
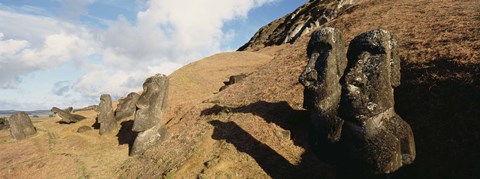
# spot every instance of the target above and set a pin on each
(67, 117)
(4, 123)
(126, 106)
(232, 80)
(321, 78)
(84, 129)
(21, 126)
(105, 115)
(149, 111)
(377, 140)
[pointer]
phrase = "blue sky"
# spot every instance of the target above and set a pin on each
(69, 52)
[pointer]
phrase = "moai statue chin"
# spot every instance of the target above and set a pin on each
(321, 78)
(376, 137)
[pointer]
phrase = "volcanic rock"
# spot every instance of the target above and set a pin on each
(148, 115)
(21, 126)
(378, 140)
(67, 117)
(289, 28)
(126, 106)
(84, 129)
(105, 115)
(232, 80)
(321, 78)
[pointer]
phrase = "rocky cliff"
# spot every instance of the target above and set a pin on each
(298, 23)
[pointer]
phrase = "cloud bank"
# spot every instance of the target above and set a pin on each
(166, 35)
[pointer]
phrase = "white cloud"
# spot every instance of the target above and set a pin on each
(166, 35)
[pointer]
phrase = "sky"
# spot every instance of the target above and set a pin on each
(68, 52)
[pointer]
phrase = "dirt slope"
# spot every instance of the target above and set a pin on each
(256, 128)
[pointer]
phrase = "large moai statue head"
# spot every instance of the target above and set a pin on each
(151, 103)
(373, 70)
(105, 115)
(326, 64)
(377, 139)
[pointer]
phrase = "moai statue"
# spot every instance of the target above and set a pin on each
(126, 106)
(376, 138)
(67, 116)
(148, 115)
(105, 115)
(21, 126)
(321, 78)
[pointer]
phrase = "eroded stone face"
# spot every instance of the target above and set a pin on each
(321, 78)
(377, 138)
(148, 115)
(126, 106)
(151, 103)
(67, 117)
(105, 115)
(21, 126)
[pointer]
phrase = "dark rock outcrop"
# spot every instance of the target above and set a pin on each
(298, 23)
(105, 115)
(21, 126)
(67, 117)
(4, 123)
(377, 140)
(232, 80)
(84, 129)
(126, 106)
(321, 78)
(148, 116)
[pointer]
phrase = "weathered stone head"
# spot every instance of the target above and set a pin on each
(373, 70)
(326, 64)
(377, 139)
(67, 117)
(126, 106)
(21, 126)
(105, 115)
(151, 103)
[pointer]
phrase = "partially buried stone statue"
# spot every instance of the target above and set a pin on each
(67, 117)
(21, 126)
(321, 78)
(149, 111)
(377, 139)
(126, 106)
(105, 115)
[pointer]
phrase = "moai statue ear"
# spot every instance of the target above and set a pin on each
(395, 63)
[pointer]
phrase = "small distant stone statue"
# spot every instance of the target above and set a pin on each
(377, 139)
(321, 78)
(67, 117)
(105, 115)
(126, 106)
(148, 115)
(21, 126)
(232, 80)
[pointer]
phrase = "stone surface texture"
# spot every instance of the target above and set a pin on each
(126, 106)
(105, 115)
(21, 126)
(377, 138)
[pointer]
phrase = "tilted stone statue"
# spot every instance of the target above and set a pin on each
(148, 115)
(377, 139)
(105, 115)
(321, 78)
(67, 117)
(126, 106)
(21, 126)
